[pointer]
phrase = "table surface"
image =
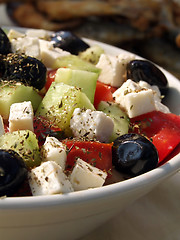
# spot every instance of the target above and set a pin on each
(155, 216)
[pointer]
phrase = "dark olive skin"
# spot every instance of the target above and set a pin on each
(68, 41)
(5, 45)
(13, 172)
(25, 69)
(138, 70)
(134, 154)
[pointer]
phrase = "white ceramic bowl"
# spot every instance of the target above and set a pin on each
(71, 216)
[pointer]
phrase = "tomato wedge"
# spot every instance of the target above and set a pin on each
(162, 128)
(96, 153)
(44, 128)
(50, 78)
(103, 93)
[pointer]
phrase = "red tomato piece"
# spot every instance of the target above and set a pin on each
(166, 141)
(50, 78)
(162, 128)
(96, 153)
(44, 128)
(6, 127)
(103, 93)
(171, 155)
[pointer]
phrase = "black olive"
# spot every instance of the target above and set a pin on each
(2, 66)
(5, 45)
(134, 154)
(138, 70)
(28, 70)
(13, 172)
(68, 41)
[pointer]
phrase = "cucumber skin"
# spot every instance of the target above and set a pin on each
(75, 62)
(59, 103)
(79, 78)
(25, 143)
(14, 93)
(92, 54)
(120, 118)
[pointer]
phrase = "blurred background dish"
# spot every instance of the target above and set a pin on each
(155, 216)
(150, 29)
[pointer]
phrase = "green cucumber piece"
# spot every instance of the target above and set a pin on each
(92, 54)
(14, 93)
(79, 78)
(59, 103)
(25, 143)
(120, 118)
(75, 62)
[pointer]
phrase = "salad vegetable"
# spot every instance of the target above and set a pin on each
(135, 154)
(71, 114)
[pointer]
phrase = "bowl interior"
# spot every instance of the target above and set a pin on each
(153, 177)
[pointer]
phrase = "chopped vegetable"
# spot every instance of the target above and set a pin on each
(162, 128)
(97, 154)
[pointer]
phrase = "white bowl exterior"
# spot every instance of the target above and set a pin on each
(71, 216)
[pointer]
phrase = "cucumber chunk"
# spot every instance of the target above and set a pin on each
(14, 93)
(92, 54)
(25, 143)
(75, 62)
(79, 78)
(59, 103)
(120, 118)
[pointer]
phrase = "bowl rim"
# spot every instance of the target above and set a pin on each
(152, 177)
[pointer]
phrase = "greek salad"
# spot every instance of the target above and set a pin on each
(71, 114)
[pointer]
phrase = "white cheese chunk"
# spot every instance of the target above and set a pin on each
(38, 33)
(54, 150)
(156, 91)
(32, 45)
(139, 98)
(1, 126)
(113, 68)
(139, 103)
(13, 34)
(26, 45)
(157, 96)
(85, 176)
(48, 179)
(49, 54)
(21, 116)
(91, 124)
(123, 60)
(134, 99)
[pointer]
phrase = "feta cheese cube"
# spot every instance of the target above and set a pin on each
(48, 179)
(139, 98)
(91, 124)
(1, 126)
(49, 54)
(156, 91)
(13, 34)
(139, 103)
(113, 68)
(134, 99)
(54, 150)
(85, 176)
(123, 60)
(38, 33)
(26, 45)
(157, 96)
(21, 116)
